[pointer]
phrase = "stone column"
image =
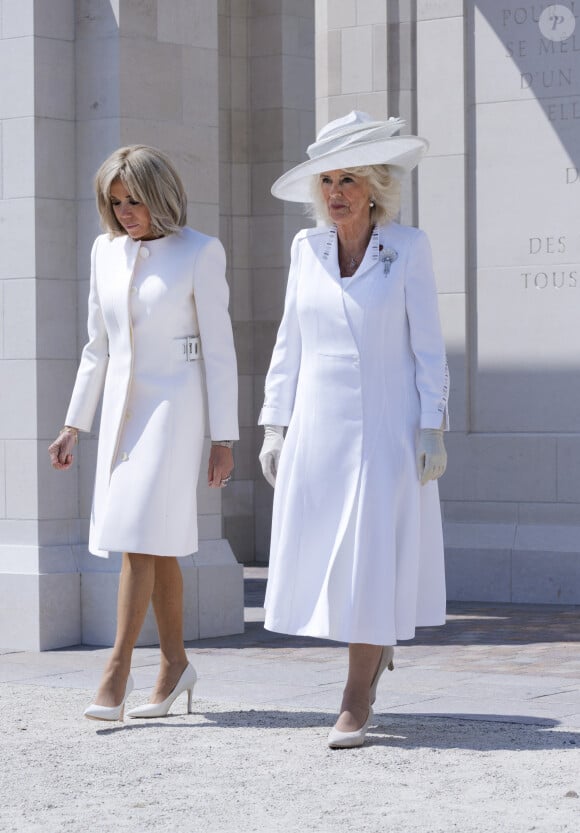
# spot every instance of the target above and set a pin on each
(266, 123)
(235, 213)
(76, 81)
(39, 579)
(443, 214)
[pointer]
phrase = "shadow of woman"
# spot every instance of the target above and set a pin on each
(241, 719)
(474, 732)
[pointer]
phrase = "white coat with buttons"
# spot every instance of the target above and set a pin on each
(144, 297)
(358, 368)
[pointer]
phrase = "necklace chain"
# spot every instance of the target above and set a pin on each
(351, 262)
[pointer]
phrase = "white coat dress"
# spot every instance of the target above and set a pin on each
(144, 297)
(358, 368)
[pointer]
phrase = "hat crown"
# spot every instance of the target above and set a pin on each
(351, 129)
(353, 141)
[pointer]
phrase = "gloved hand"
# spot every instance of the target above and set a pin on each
(430, 455)
(270, 453)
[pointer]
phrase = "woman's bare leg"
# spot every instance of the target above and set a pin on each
(135, 589)
(168, 607)
(363, 662)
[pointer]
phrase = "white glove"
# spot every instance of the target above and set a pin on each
(431, 455)
(270, 453)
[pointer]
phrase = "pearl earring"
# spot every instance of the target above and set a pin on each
(372, 203)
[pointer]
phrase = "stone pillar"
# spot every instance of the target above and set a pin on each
(76, 81)
(443, 214)
(266, 123)
(235, 213)
(39, 579)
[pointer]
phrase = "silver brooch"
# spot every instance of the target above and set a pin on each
(387, 256)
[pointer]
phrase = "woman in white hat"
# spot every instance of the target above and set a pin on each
(359, 377)
(158, 302)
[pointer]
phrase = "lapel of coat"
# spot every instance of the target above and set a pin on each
(328, 254)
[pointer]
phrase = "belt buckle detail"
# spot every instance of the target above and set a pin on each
(191, 348)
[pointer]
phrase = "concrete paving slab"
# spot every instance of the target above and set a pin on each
(476, 714)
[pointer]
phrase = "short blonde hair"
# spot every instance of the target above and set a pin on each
(385, 189)
(151, 179)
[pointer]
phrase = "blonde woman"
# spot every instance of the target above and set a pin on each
(158, 304)
(359, 377)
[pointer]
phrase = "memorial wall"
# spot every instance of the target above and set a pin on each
(511, 497)
(525, 128)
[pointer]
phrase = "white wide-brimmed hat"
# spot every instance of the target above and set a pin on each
(349, 142)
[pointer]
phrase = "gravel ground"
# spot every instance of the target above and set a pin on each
(225, 769)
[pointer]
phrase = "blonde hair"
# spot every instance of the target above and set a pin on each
(151, 179)
(385, 189)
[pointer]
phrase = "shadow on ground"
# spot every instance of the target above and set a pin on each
(474, 732)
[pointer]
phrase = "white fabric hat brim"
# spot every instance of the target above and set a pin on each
(401, 152)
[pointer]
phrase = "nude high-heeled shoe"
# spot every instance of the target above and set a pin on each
(349, 740)
(96, 712)
(185, 683)
(386, 661)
